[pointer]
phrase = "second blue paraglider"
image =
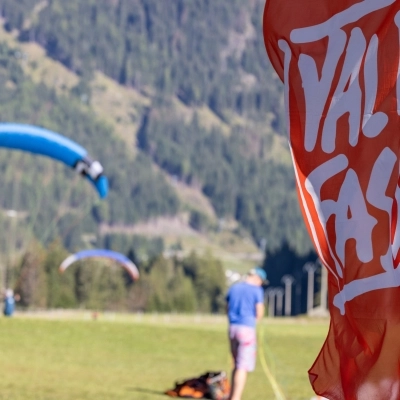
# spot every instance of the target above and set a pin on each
(124, 261)
(47, 143)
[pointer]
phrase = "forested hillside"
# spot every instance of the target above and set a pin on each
(208, 52)
(207, 113)
(54, 198)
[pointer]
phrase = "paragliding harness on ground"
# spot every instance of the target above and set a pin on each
(211, 385)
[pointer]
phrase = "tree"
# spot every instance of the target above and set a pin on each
(60, 287)
(209, 282)
(100, 286)
(31, 284)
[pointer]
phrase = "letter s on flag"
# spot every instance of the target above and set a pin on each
(339, 61)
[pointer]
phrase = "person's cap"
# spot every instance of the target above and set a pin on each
(260, 272)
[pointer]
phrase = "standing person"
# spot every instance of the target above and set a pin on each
(9, 303)
(245, 306)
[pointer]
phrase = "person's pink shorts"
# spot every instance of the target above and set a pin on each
(243, 346)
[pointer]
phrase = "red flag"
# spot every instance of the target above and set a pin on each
(339, 60)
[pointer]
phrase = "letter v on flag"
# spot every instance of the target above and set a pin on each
(339, 61)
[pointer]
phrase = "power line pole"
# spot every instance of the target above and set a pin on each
(310, 268)
(324, 287)
(279, 300)
(288, 280)
(270, 294)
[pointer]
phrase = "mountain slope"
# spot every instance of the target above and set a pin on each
(184, 84)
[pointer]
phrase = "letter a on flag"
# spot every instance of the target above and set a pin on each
(339, 61)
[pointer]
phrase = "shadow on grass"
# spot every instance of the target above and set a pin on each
(148, 391)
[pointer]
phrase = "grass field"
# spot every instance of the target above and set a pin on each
(69, 356)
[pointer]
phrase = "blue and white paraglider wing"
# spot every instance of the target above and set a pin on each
(47, 143)
(124, 261)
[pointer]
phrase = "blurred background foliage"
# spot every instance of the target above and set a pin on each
(170, 96)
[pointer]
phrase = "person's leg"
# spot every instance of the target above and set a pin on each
(238, 382)
(244, 359)
(234, 346)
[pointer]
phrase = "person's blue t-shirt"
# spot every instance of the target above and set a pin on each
(242, 298)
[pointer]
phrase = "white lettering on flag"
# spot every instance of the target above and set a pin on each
(353, 97)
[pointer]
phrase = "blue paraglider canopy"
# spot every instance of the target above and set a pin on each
(124, 261)
(47, 143)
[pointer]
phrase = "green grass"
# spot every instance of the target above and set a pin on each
(139, 357)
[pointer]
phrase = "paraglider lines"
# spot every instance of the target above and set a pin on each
(274, 384)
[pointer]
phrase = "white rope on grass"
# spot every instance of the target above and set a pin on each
(279, 395)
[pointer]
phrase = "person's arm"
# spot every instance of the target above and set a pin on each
(259, 311)
(260, 304)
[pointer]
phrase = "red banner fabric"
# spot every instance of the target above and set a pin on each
(339, 61)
